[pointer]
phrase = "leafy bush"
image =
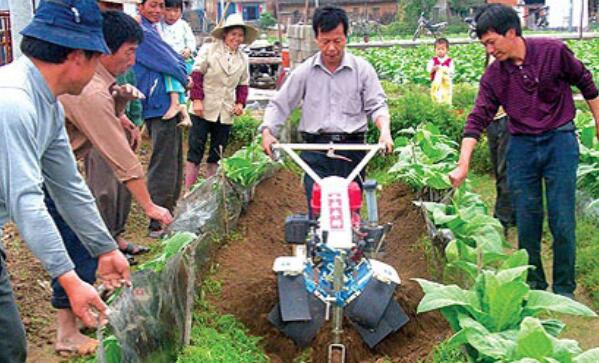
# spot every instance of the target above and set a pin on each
(425, 159)
(416, 107)
(244, 130)
(170, 247)
(247, 165)
(266, 20)
(588, 168)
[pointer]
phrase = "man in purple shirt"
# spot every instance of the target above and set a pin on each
(531, 79)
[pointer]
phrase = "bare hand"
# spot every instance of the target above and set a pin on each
(386, 139)
(198, 108)
(458, 175)
(238, 109)
(84, 299)
(267, 141)
(126, 93)
(113, 270)
(132, 130)
(160, 214)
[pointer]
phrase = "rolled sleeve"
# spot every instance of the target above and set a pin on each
(375, 100)
(483, 113)
(577, 74)
(284, 102)
(104, 131)
(21, 187)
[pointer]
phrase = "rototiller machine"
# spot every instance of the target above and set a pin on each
(333, 271)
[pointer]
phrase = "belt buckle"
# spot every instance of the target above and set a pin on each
(336, 138)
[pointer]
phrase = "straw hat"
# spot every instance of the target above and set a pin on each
(234, 20)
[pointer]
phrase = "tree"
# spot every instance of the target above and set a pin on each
(462, 7)
(267, 20)
(409, 10)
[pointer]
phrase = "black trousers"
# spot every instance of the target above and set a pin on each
(198, 136)
(498, 138)
(165, 171)
(324, 166)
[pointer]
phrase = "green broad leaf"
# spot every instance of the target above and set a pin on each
(471, 269)
(467, 253)
(529, 360)
(495, 345)
(400, 142)
(503, 301)
(512, 274)
(590, 356)
(177, 242)
(565, 349)
(533, 341)
(438, 296)
(587, 136)
(112, 350)
(440, 218)
(517, 259)
(492, 257)
(438, 181)
(539, 301)
(553, 327)
(451, 251)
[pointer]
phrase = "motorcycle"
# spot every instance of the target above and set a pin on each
(432, 29)
(471, 27)
(333, 271)
(541, 21)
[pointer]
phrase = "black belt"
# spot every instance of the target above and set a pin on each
(354, 138)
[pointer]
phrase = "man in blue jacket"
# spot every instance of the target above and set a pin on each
(155, 59)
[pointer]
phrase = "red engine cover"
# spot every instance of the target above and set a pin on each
(353, 190)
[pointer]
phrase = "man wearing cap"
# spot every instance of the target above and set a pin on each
(156, 58)
(62, 47)
(339, 92)
(100, 135)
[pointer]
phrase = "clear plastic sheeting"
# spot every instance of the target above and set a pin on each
(152, 320)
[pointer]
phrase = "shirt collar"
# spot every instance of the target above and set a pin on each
(345, 63)
(105, 75)
(39, 80)
(511, 67)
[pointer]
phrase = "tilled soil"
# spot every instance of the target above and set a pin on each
(249, 285)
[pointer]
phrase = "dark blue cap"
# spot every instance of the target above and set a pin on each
(75, 24)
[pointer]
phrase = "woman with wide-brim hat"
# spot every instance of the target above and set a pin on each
(220, 88)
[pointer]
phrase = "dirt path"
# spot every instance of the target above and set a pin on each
(249, 285)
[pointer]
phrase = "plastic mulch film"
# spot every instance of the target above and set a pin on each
(152, 320)
(587, 206)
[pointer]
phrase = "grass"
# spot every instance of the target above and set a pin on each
(219, 338)
(444, 353)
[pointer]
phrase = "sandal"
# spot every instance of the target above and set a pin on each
(133, 250)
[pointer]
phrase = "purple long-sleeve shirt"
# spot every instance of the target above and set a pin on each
(536, 95)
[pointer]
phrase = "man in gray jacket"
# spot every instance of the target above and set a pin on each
(62, 46)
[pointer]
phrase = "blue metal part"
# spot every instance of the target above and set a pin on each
(319, 281)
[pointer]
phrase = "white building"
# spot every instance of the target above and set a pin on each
(565, 14)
